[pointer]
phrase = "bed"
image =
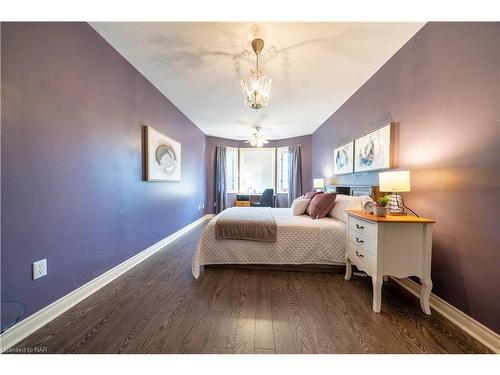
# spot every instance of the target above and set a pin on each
(300, 240)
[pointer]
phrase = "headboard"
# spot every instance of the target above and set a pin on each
(357, 190)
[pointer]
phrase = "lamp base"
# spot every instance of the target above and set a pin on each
(395, 205)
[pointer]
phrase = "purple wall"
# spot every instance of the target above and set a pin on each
(442, 88)
(212, 142)
(72, 110)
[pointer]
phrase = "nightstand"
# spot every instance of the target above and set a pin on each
(399, 246)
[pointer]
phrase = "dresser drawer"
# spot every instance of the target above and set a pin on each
(362, 259)
(364, 242)
(362, 226)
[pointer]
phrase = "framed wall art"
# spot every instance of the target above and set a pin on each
(373, 151)
(162, 156)
(343, 159)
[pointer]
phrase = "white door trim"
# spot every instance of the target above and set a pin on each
(37, 320)
(477, 330)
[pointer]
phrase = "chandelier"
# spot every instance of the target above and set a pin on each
(256, 88)
(257, 139)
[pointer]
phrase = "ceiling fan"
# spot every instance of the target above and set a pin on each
(257, 139)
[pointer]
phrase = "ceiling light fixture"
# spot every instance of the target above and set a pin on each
(256, 88)
(257, 139)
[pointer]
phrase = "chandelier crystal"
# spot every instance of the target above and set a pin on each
(256, 88)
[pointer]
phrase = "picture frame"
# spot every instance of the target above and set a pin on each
(374, 151)
(343, 159)
(162, 156)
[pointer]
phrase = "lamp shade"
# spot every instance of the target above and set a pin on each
(318, 183)
(396, 181)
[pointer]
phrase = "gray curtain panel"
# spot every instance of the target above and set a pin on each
(294, 173)
(220, 179)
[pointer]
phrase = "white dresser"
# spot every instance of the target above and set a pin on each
(398, 246)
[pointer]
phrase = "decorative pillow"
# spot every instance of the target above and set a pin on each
(299, 206)
(320, 205)
(347, 202)
(311, 194)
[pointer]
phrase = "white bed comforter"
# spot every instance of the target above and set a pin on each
(300, 240)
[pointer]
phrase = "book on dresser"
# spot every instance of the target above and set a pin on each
(242, 200)
(242, 204)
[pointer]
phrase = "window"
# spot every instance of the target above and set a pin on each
(257, 169)
(231, 169)
(282, 173)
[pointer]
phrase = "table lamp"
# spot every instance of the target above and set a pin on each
(395, 182)
(318, 183)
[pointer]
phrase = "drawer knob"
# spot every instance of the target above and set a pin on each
(360, 226)
(359, 255)
(359, 241)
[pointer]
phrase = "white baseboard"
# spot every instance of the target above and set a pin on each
(480, 332)
(37, 320)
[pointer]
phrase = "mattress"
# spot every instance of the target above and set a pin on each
(300, 240)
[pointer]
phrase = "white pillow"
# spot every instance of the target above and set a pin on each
(347, 202)
(299, 206)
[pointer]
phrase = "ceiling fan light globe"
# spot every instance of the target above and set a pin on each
(257, 139)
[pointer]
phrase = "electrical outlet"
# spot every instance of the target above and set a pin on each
(39, 268)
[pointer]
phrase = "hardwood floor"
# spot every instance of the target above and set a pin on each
(158, 307)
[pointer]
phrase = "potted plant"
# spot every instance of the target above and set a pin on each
(381, 206)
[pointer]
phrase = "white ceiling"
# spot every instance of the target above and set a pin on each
(315, 68)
